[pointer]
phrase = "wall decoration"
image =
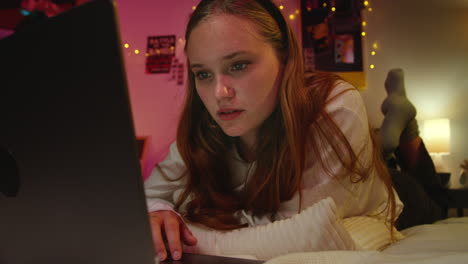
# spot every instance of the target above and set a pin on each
(160, 53)
(332, 34)
(177, 71)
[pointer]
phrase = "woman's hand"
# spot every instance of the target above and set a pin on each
(168, 226)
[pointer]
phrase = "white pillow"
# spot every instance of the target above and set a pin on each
(370, 233)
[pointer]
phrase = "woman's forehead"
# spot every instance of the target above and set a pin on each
(224, 33)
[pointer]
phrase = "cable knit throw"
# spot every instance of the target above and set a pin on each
(315, 229)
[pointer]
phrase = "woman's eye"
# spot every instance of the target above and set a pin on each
(202, 75)
(239, 67)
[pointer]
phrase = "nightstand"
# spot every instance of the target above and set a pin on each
(458, 198)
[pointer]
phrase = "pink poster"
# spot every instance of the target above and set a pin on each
(160, 53)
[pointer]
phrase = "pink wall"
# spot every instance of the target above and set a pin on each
(156, 100)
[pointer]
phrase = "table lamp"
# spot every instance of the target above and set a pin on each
(436, 135)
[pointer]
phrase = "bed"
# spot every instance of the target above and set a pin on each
(307, 237)
(445, 241)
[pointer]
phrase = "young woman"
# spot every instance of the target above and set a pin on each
(259, 142)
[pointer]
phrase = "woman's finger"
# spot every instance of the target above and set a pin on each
(171, 227)
(156, 225)
(187, 236)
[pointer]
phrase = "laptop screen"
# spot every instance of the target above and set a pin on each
(71, 189)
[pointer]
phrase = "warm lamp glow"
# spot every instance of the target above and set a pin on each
(436, 135)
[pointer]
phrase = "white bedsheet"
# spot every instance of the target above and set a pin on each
(443, 242)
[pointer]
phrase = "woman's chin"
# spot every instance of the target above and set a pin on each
(232, 132)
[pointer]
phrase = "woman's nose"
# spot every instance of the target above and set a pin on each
(223, 90)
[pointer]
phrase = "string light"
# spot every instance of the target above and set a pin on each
(367, 4)
(375, 45)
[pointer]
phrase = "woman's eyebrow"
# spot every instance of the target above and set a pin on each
(234, 54)
(224, 58)
(196, 66)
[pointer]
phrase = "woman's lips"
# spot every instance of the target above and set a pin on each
(229, 114)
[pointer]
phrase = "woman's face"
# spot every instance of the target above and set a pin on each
(237, 74)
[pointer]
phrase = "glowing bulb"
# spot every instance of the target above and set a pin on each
(324, 5)
(366, 3)
(194, 7)
(172, 47)
(297, 11)
(372, 66)
(281, 7)
(333, 9)
(364, 23)
(126, 45)
(363, 34)
(137, 51)
(373, 53)
(146, 54)
(375, 45)
(291, 16)
(370, 9)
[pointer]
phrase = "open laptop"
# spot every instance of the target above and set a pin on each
(66, 132)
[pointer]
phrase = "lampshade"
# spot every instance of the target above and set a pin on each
(436, 135)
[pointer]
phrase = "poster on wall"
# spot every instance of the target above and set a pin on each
(160, 53)
(332, 38)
